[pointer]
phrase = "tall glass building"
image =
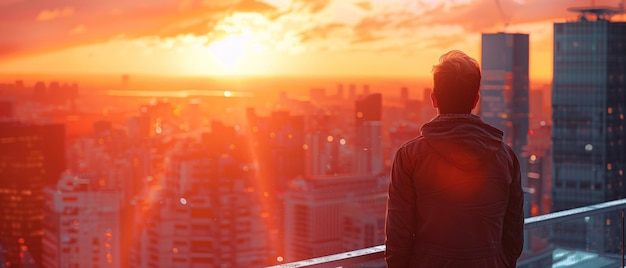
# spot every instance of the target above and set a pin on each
(504, 91)
(504, 86)
(31, 158)
(588, 109)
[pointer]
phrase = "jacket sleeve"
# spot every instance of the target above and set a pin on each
(513, 225)
(400, 218)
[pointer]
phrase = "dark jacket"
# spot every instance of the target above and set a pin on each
(455, 198)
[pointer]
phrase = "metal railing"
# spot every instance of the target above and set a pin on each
(378, 252)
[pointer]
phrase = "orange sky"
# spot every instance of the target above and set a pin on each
(266, 37)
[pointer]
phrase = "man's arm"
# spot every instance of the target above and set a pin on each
(513, 226)
(400, 224)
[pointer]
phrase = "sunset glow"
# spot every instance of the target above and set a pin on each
(267, 37)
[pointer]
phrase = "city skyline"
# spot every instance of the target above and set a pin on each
(248, 133)
(269, 37)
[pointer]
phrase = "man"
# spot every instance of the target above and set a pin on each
(455, 197)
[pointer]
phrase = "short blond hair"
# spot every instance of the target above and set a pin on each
(456, 82)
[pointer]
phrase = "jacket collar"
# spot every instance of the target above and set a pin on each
(454, 117)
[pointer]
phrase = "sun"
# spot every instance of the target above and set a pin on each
(231, 51)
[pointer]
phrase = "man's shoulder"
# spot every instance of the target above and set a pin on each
(413, 142)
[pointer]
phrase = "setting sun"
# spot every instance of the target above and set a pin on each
(230, 51)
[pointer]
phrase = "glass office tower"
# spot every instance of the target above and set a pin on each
(504, 86)
(504, 92)
(31, 158)
(588, 109)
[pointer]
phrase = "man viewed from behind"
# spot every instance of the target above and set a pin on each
(455, 197)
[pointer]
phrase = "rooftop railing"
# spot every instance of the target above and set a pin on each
(376, 253)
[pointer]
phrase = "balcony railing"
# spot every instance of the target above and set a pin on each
(376, 253)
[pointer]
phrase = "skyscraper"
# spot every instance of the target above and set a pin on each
(368, 139)
(588, 107)
(504, 86)
(504, 93)
(31, 157)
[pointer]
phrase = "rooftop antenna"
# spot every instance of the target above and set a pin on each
(596, 13)
(505, 20)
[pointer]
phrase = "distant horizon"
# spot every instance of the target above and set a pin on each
(12, 77)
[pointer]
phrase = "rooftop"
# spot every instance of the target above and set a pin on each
(597, 13)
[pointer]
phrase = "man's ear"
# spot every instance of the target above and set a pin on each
(433, 99)
(476, 100)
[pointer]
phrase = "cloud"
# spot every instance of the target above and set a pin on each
(369, 28)
(78, 30)
(442, 42)
(108, 19)
(253, 6)
(488, 15)
(377, 25)
(46, 15)
(364, 5)
(314, 6)
(365, 38)
(320, 31)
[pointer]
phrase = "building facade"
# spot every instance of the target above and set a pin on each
(322, 215)
(504, 86)
(588, 107)
(82, 225)
(31, 158)
(368, 136)
(207, 214)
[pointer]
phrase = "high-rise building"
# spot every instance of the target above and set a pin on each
(588, 136)
(277, 143)
(208, 214)
(352, 92)
(340, 93)
(404, 94)
(504, 86)
(7, 109)
(327, 150)
(504, 94)
(368, 136)
(82, 225)
(31, 157)
(320, 214)
(322, 153)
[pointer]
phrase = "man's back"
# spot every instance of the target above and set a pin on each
(455, 198)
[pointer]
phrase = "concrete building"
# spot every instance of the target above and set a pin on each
(318, 212)
(82, 225)
(208, 214)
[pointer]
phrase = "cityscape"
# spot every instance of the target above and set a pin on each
(253, 168)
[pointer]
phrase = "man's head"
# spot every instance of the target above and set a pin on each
(456, 83)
